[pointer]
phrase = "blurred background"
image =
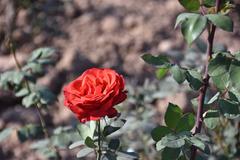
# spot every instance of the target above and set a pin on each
(101, 33)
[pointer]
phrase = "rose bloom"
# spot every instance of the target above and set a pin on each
(94, 94)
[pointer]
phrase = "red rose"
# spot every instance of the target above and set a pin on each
(94, 94)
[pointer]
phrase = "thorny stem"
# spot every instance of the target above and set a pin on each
(99, 151)
(204, 87)
(40, 115)
(43, 124)
(42, 121)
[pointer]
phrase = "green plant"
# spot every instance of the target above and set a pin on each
(221, 72)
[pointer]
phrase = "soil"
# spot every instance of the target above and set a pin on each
(87, 33)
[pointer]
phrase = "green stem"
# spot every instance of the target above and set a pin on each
(99, 152)
(43, 124)
(40, 115)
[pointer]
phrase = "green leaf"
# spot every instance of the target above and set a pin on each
(109, 130)
(161, 72)
(172, 141)
(110, 156)
(219, 65)
(237, 55)
(229, 109)
(170, 153)
(209, 3)
(193, 27)
(214, 98)
(182, 17)
(172, 111)
(46, 96)
(194, 78)
(40, 144)
(156, 60)
(200, 144)
(63, 139)
(219, 70)
(159, 146)
(85, 131)
(41, 53)
(84, 152)
(222, 81)
(190, 5)
(29, 131)
(90, 143)
(114, 144)
(76, 144)
(127, 155)
(221, 21)
(186, 123)
(182, 158)
(202, 137)
(235, 73)
(211, 118)
(48, 153)
(22, 92)
(5, 133)
(118, 123)
(234, 95)
(34, 68)
(159, 132)
(178, 74)
(115, 126)
(11, 77)
(30, 100)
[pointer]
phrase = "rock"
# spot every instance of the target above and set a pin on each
(40, 39)
(71, 10)
(83, 5)
(131, 21)
(110, 24)
(165, 45)
(21, 19)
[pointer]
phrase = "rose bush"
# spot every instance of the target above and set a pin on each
(94, 94)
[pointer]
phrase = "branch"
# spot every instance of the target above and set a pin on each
(206, 77)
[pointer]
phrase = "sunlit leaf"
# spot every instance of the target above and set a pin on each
(161, 72)
(172, 141)
(156, 60)
(194, 78)
(182, 17)
(186, 123)
(159, 132)
(211, 118)
(178, 74)
(193, 27)
(30, 100)
(90, 143)
(190, 5)
(221, 21)
(235, 73)
(5, 133)
(77, 144)
(84, 152)
(114, 144)
(200, 144)
(170, 153)
(229, 109)
(172, 111)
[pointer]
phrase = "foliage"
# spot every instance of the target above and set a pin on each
(217, 108)
(222, 74)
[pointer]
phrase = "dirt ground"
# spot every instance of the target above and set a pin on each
(88, 33)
